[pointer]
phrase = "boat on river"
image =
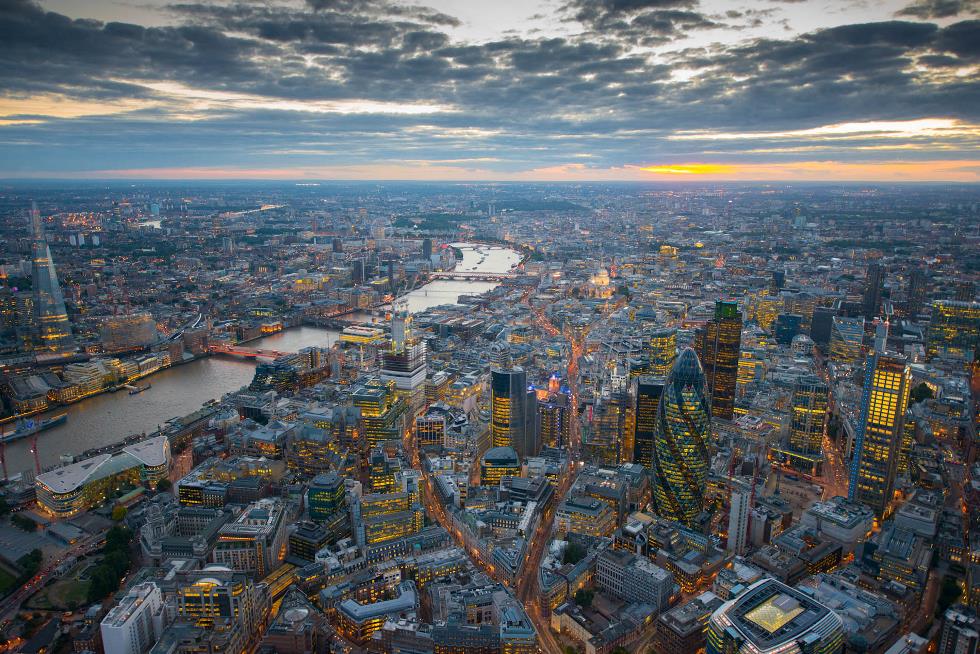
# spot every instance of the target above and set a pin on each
(30, 426)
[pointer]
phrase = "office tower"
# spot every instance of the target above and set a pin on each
(954, 330)
(770, 617)
(325, 496)
(738, 519)
(778, 280)
(357, 271)
(427, 249)
(663, 351)
(821, 325)
(338, 245)
(52, 330)
(224, 601)
(966, 291)
(602, 443)
(887, 382)
(554, 420)
(255, 542)
(788, 325)
(846, 339)
(510, 423)
(127, 332)
(405, 362)
(134, 624)
(391, 275)
(873, 284)
(497, 463)
(382, 411)
(680, 448)
(915, 295)
(647, 392)
(960, 633)
(804, 445)
(718, 344)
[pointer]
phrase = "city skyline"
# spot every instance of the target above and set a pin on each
(658, 90)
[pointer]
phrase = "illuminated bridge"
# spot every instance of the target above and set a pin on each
(473, 276)
(245, 352)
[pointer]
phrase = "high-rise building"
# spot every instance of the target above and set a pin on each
(873, 284)
(127, 332)
(821, 325)
(382, 411)
(52, 330)
(226, 601)
(511, 424)
(680, 448)
(325, 496)
(915, 295)
(788, 325)
(887, 382)
(846, 338)
(954, 330)
(647, 392)
(718, 344)
(804, 444)
(960, 632)
(427, 248)
(134, 624)
(554, 420)
(405, 361)
(604, 441)
(770, 617)
(738, 519)
(966, 291)
(663, 351)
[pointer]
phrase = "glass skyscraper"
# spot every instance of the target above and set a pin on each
(954, 330)
(662, 351)
(647, 393)
(51, 327)
(718, 344)
(804, 445)
(680, 448)
(878, 444)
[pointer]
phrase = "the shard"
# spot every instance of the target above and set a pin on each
(51, 327)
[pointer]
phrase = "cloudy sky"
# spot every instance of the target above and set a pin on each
(491, 89)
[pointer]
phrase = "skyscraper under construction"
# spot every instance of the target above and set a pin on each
(718, 344)
(52, 331)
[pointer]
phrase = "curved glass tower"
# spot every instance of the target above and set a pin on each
(680, 445)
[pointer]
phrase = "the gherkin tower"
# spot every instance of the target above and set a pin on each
(680, 448)
(51, 327)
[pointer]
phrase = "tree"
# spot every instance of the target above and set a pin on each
(573, 553)
(920, 393)
(584, 597)
(164, 486)
(23, 522)
(119, 512)
(4, 506)
(949, 592)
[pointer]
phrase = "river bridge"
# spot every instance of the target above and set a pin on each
(460, 275)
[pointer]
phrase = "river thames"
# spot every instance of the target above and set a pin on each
(178, 391)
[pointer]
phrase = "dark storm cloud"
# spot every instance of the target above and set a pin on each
(540, 101)
(927, 9)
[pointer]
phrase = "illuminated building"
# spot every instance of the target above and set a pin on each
(383, 527)
(405, 363)
(582, 514)
(879, 438)
(804, 445)
(554, 420)
(382, 411)
(718, 344)
(357, 622)
(127, 332)
(325, 496)
(430, 429)
(751, 367)
(133, 625)
(217, 598)
(69, 490)
(770, 617)
(663, 351)
(499, 462)
(306, 539)
(846, 338)
(954, 330)
(52, 330)
(510, 424)
(256, 541)
(602, 443)
(873, 286)
(680, 447)
(788, 325)
(647, 393)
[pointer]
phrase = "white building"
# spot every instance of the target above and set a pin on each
(738, 520)
(135, 624)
